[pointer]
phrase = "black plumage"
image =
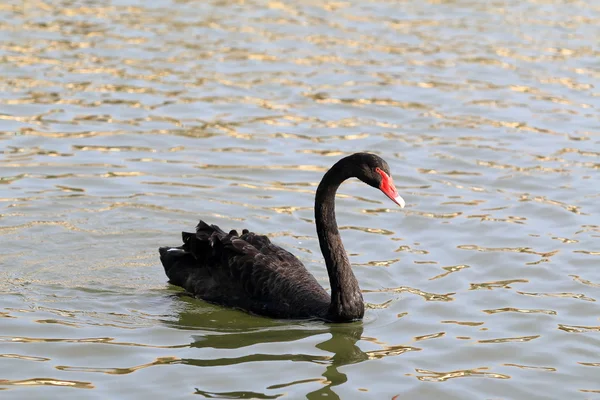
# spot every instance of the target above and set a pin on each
(249, 272)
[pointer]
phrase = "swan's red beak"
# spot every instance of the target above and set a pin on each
(387, 187)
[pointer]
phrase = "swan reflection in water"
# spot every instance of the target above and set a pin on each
(230, 329)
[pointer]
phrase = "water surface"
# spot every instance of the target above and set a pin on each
(123, 123)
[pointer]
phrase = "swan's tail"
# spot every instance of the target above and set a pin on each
(178, 264)
(194, 256)
(170, 255)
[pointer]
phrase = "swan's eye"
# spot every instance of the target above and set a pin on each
(380, 171)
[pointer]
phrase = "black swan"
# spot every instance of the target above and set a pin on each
(249, 272)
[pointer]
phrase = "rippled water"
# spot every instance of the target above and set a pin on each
(122, 123)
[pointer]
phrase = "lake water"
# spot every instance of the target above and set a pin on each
(124, 122)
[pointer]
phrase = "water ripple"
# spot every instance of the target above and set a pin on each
(122, 124)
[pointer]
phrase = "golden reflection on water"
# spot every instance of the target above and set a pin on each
(427, 296)
(584, 281)
(466, 323)
(122, 125)
(47, 382)
(589, 364)
(390, 351)
(514, 339)
(505, 284)
(547, 369)
(578, 296)
(105, 340)
(430, 336)
(449, 270)
(433, 376)
(22, 357)
(120, 371)
(578, 329)
(384, 263)
(373, 306)
(519, 310)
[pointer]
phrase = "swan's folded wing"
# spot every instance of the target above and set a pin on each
(266, 247)
(262, 276)
(261, 269)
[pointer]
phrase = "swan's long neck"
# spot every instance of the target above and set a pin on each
(346, 299)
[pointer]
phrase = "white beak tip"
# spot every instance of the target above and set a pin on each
(400, 201)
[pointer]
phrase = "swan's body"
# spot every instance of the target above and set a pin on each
(249, 272)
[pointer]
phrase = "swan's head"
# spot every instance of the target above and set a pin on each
(374, 171)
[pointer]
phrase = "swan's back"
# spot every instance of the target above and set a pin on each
(247, 272)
